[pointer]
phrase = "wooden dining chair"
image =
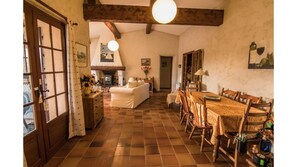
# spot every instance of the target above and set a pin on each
(267, 107)
(193, 86)
(231, 94)
(199, 111)
(249, 125)
(243, 98)
(185, 109)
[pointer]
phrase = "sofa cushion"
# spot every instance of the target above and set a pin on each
(132, 84)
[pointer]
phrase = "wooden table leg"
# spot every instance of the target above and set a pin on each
(215, 153)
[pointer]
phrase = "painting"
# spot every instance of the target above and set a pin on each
(106, 55)
(259, 57)
(145, 62)
(81, 54)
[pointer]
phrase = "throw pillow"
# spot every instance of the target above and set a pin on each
(131, 79)
(140, 82)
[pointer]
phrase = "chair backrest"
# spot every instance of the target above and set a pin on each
(193, 86)
(199, 111)
(252, 122)
(184, 101)
(231, 94)
(244, 97)
(265, 106)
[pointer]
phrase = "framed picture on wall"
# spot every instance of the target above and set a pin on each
(81, 54)
(106, 55)
(145, 62)
(260, 57)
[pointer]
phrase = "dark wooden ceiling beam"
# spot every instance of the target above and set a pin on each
(113, 29)
(149, 25)
(110, 25)
(143, 14)
(92, 2)
(148, 28)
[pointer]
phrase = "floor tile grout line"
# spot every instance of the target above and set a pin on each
(165, 119)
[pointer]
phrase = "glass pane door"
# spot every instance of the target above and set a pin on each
(53, 84)
(52, 70)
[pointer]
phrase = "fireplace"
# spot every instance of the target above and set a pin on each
(109, 78)
(109, 75)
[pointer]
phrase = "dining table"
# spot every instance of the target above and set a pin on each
(223, 114)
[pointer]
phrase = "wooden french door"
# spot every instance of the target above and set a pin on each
(45, 104)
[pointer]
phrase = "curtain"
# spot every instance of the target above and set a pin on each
(76, 113)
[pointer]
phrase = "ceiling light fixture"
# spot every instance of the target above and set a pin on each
(113, 45)
(164, 11)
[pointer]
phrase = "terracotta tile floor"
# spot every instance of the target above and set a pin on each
(149, 135)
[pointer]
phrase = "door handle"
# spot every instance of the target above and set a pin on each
(45, 90)
(40, 84)
(38, 94)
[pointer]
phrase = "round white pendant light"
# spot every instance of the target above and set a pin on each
(164, 11)
(113, 45)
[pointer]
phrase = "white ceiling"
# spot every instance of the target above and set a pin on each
(98, 27)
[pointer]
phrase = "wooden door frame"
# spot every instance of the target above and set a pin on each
(171, 57)
(28, 10)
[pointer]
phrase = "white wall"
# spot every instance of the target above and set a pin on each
(105, 36)
(95, 55)
(93, 48)
(136, 45)
(227, 46)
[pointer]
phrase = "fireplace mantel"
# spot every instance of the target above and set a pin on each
(108, 68)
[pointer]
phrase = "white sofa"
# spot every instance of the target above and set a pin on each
(124, 97)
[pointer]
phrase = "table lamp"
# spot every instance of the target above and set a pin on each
(200, 73)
